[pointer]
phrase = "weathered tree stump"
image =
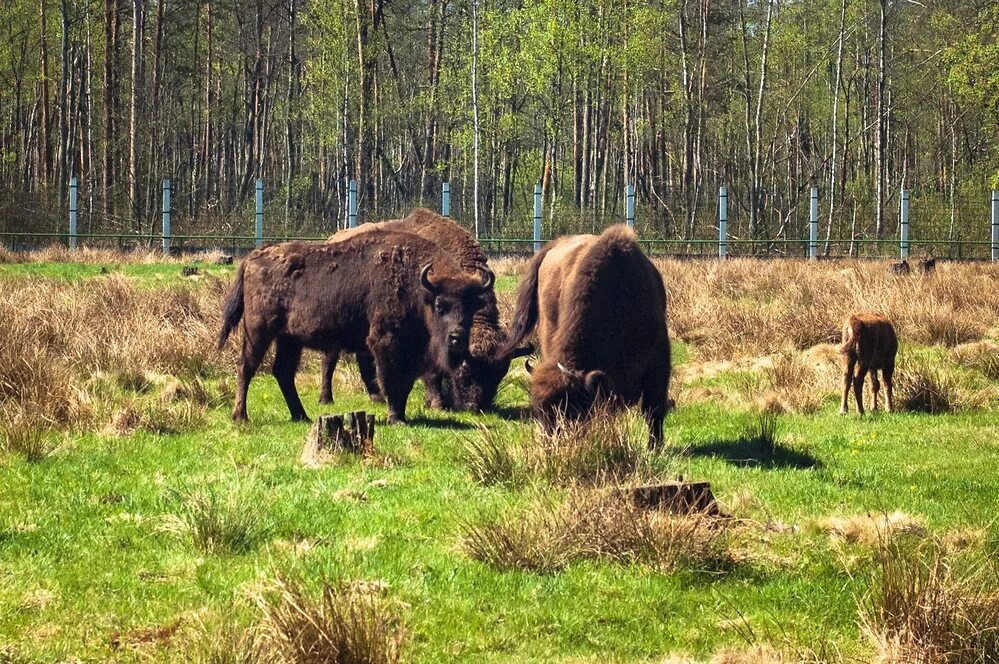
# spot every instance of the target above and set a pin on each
(188, 271)
(351, 432)
(679, 496)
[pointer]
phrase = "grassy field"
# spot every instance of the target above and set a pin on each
(137, 522)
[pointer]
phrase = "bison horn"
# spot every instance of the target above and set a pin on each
(425, 278)
(488, 279)
(528, 366)
(568, 372)
(522, 351)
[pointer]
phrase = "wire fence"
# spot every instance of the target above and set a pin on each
(965, 227)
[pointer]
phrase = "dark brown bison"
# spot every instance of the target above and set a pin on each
(869, 345)
(599, 306)
(900, 267)
(395, 296)
(473, 383)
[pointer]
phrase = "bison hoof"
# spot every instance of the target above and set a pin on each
(376, 398)
(301, 418)
(843, 411)
(325, 400)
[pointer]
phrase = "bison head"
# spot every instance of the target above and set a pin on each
(452, 302)
(476, 380)
(560, 392)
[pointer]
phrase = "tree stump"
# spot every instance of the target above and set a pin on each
(679, 496)
(351, 432)
(188, 271)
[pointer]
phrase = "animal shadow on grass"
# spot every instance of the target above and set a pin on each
(438, 423)
(513, 413)
(759, 445)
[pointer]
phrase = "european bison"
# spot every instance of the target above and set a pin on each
(599, 306)
(927, 266)
(474, 382)
(869, 345)
(394, 295)
(900, 267)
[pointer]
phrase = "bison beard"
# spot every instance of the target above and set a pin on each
(472, 383)
(599, 306)
(392, 296)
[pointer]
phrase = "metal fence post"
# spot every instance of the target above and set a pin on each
(813, 226)
(629, 205)
(73, 198)
(258, 231)
(166, 215)
(903, 242)
(723, 222)
(352, 204)
(995, 225)
(446, 199)
(537, 217)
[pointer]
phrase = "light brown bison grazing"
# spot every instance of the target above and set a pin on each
(393, 295)
(599, 306)
(869, 345)
(474, 382)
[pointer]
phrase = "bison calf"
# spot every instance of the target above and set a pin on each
(365, 295)
(869, 345)
(599, 306)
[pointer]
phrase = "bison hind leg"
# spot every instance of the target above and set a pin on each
(287, 355)
(251, 354)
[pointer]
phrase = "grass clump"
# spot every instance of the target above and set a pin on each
(552, 534)
(26, 436)
(609, 448)
(923, 386)
(342, 626)
(222, 520)
(921, 609)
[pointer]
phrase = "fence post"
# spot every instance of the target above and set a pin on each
(258, 231)
(813, 226)
(629, 205)
(352, 204)
(722, 222)
(995, 225)
(537, 217)
(903, 244)
(72, 212)
(446, 199)
(166, 216)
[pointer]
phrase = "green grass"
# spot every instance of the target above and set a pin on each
(96, 539)
(144, 274)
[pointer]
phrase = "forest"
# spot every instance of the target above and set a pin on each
(860, 98)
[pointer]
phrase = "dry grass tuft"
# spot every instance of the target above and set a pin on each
(919, 608)
(870, 529)
(343, 626)
(609, 449)
(221, 520)
(590, 524)
(923, 387)
(982, 356)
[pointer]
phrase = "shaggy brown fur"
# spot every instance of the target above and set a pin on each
(475, 381)
(365, 294)
(599, 306)
(869, 345)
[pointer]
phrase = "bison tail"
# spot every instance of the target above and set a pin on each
(232, 311)
(849, 334)
(525, 315)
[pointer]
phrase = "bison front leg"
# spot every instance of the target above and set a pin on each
(369, 375)
(875, 389)
(654, 407)
(397, 368)
(438, 397)
(330, 360)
